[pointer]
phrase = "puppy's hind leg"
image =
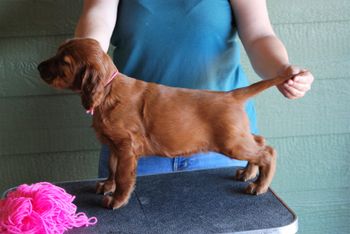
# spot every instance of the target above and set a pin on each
(257, 155)
(260, 141)
(267, 168)
(252, 170)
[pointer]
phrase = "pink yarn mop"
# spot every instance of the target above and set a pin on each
(40, 208)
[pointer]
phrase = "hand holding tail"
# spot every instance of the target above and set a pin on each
(299, 83)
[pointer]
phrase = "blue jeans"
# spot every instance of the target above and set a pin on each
(156, 165)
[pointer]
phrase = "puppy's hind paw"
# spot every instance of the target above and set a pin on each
(245, 174)
(256, 189)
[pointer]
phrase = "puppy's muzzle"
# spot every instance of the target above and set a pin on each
(46, 72)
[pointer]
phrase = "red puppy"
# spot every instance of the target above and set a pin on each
(136, 118)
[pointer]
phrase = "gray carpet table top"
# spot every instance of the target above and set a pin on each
(206, 201)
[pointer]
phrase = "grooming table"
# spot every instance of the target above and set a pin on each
(207, 201)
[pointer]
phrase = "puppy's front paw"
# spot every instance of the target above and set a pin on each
(107, 201)
(114, 202)
(105, 187)
(256, 189)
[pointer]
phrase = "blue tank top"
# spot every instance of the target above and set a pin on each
(180, 43)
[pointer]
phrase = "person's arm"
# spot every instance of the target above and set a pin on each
(265, 50)
(97, 21)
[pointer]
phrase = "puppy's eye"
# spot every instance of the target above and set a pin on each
(66, 61)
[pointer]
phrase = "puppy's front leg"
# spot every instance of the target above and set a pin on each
(108, 186)
(125, 178)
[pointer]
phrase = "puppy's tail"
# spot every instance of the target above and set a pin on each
(247, 92)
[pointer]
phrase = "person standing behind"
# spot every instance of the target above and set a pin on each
(190, 44)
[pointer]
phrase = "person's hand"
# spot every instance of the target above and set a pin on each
(299, 83)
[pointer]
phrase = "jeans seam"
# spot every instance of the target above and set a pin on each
(175, 164)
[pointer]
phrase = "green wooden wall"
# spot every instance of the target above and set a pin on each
(46, 136)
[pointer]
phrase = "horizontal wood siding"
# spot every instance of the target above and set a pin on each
(46, 135)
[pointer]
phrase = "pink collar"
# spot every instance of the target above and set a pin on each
(114, 75)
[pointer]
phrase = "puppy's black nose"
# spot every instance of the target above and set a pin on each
(41, 67)
(44, 70)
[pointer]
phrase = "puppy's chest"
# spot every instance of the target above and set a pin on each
(118, 125)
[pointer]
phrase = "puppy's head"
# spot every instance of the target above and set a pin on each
(79, 65)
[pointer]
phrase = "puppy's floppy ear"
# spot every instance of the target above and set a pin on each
(91, 88)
